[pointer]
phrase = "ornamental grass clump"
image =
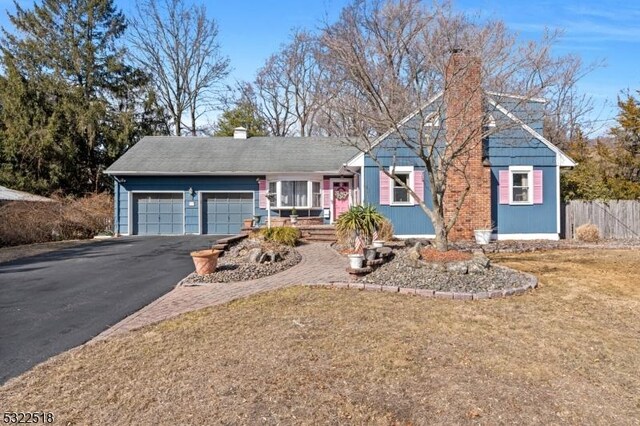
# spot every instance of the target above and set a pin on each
(588, 233)
(282, 235)
(359, 224)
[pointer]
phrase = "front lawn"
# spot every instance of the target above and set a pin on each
(568, 352)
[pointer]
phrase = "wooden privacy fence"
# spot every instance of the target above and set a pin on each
(616, 219)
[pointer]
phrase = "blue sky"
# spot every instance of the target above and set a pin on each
(607, 30)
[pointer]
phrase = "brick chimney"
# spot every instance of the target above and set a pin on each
(463, 97)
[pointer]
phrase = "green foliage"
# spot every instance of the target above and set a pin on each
(358, 222)
(243, 115)
(282, 235)
(71, 105)
(604, 170)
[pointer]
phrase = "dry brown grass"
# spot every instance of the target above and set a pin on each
(567, 353)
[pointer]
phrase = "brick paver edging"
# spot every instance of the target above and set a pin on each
(531, 282)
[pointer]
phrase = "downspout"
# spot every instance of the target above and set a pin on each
(116, 222)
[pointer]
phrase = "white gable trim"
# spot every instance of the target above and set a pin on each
(562, 159)
(509, 95)
(356, 160)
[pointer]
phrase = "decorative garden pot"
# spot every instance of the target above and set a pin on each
(205, 261)
(247, 223)
(483, 236)
(370, 253)
(256, 220)
(355, 261)
(378, 243)
(294, 218)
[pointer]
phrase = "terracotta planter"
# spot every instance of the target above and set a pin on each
(205, 261)
(247, 223)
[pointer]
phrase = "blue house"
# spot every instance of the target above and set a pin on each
(209, 185)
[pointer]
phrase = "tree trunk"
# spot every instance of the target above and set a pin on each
(193, 121)
(442, 242)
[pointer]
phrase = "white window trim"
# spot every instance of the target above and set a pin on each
(278, 204)
(392, 185)
(521, 169)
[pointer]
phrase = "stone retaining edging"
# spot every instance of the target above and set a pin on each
(530, 284)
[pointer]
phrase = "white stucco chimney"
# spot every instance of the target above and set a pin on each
(239, 133)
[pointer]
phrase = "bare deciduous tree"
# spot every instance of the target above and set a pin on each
(177, 45)
(428, 79)
(289, 87)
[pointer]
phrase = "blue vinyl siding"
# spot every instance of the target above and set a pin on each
(407, 220)
(528, 219)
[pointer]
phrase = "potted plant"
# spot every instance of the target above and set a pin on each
(358, 223)
(205, 261)
(247, 223)
(293, 216)
(483, 235)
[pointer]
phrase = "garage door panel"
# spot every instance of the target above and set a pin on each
(158, 213)
(223, 213)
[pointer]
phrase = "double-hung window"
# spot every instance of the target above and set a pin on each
(399, 193)
(521, 185)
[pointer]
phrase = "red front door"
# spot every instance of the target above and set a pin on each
(341, 192)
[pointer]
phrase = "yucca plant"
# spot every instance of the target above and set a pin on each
(359, 222)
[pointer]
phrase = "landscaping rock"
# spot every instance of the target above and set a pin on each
(476, 268)
(384, 252)
(481, 260)
(254, 254)
(457, 267)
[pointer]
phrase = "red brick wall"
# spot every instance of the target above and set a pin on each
(463, 102)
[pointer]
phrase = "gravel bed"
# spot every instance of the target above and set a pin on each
(399, 272)
(234, 265)
(513, 246)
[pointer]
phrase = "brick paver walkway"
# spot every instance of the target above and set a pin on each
(319, 264)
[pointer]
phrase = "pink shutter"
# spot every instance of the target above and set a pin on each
(385, 189)
(326, 189)
(262, 191)
(537, 187)
(503, 186)
(418, 185)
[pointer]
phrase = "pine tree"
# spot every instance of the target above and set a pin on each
(90, 105)
(244, 115)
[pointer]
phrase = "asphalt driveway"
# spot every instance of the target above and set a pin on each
(55, 301)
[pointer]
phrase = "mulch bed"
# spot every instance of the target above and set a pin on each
(432, 255)
(235, 266)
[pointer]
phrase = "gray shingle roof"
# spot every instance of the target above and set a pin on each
(7, 194)
(226, 155)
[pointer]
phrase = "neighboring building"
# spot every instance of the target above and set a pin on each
(7, 195)
(174, 185)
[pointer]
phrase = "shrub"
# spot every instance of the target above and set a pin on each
(385, 230)
(588, 233)
(282, 235)
(65, 219)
